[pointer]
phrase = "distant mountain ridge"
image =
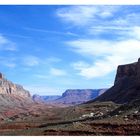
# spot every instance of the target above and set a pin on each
(126, 85)
(78, 96)
(44, 98)
(71, 96)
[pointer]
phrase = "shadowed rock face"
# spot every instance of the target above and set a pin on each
(123, 71)
(126, 86)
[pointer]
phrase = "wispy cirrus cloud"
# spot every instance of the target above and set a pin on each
(7, 45)
(57, 72)
(41, 76)
(113, 34)
(51, 31)
(112, 54)
(86, 15)
(30, 60)
(10, 47)
(18, 35)
(10, 63)
(97, 20)
(52, 59)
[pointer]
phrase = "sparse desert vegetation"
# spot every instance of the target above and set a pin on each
(68, 121)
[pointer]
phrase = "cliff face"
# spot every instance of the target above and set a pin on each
(77, 92)
(7, 87)
(78, 96)
(13, 95)
(123, 71)
(126, 85)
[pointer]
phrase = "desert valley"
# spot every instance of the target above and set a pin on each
(113, 111)
(69, 70)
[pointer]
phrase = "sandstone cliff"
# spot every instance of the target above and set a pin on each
(12, 94)
(7, 87)
(126, 85)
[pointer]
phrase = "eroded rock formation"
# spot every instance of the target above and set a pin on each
(7, 87)
(13, 95)
(126, 85)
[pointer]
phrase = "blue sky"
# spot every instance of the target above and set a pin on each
(49, 49)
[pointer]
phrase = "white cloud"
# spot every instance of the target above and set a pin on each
(84, 15)
(53, 60)
(57, 72)
(10, 63)
(50, 31)
(3, 40)
(30, 60)
(120, 31)
(113, 53)
(6, 44)
(135, 32)
(126, 19)
(114, 37)
(90, 47)
(104, 29)
(41, 76)
(80, 65)
(97, 20)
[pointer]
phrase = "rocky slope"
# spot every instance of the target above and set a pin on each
(13, 95)
(78, 96)
(126, 86)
